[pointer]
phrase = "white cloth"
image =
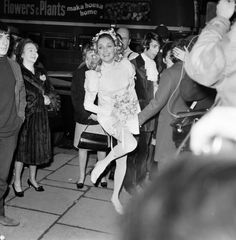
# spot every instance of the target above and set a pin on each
(151, 71)
(151, 68)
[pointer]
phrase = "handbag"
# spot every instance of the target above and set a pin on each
(93, 141)
(183, 123)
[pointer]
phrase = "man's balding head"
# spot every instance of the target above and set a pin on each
(125, 35)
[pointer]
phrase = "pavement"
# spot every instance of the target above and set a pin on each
(62, 212)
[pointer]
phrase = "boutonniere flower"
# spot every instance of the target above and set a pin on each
(42, 77)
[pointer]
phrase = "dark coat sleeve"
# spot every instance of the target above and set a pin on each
(161, 98)
(192, 91)
(77, 96)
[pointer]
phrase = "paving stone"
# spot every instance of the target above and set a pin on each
(62, 211)
(92, 214)
(63, 232)
(52, 200)
(32, 224)
(59, 160)
(67, 173)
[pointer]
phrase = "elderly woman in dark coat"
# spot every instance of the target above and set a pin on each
(34, 142)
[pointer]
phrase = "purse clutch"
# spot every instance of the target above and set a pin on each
(182, 125)
(94, 141)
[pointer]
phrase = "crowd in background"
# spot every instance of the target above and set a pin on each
(139, 99)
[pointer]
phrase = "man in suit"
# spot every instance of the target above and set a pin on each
(145, 86)
(166, 108)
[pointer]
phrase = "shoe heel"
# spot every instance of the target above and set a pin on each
(38, 189)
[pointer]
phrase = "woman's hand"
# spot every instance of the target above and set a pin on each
(179, 53)
(47, 100)
(225, 8)
(93, 117)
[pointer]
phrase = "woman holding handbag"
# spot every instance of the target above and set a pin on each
(85, 120)
(34, 141)
(117, 109)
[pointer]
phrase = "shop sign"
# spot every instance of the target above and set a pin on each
(131, 11)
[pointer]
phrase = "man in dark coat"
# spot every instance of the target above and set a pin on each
(145, 86)
(12, 114)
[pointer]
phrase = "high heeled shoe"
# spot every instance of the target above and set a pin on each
(104, 184)
(79, 185)
(38, 189)
(18, 194)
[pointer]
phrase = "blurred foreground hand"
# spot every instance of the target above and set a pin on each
(215, 132)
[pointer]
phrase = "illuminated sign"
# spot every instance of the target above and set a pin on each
(132, 11)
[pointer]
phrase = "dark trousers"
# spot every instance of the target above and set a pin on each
(7, 148)
(137, 162)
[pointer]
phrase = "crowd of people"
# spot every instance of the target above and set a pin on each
(134, 98)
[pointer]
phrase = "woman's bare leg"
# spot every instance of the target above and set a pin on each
(32, 175)
(17, 179)
(82, 159)
(101, 156)
(126, 144)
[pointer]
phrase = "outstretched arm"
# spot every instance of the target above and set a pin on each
(161, 98)
(206, 61)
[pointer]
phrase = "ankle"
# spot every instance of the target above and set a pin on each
(17, 184)
(81, 179)
(33, 181)
(103, 179)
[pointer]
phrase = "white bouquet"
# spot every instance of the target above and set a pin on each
(125, 106)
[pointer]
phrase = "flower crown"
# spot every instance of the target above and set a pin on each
(110, 32)
(117, 40)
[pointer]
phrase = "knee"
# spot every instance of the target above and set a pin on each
(130, 144)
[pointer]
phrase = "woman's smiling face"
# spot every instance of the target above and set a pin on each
(30, 53)
(106, 49)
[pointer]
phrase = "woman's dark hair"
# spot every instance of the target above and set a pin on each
(4, 28)
(166, 47)
(86, 48)
(149, 37)
(20, 48)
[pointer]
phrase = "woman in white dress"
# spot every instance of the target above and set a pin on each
(117, 109)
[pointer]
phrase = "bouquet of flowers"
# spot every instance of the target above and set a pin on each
(125, 106)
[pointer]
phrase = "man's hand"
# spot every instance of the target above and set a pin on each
(225, 8)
